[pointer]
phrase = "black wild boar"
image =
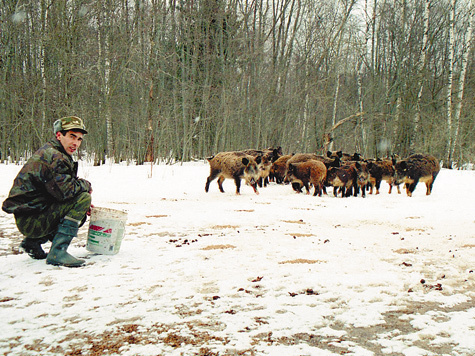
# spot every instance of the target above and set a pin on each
(344, 156)
(380, 170)
(342, 178)
(362, 177)
(233, 165)
(415, 168)
(311, 171)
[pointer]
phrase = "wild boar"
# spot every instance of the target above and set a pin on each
(279, 169)
(271, 153)
(343, 179)
(380, 170)
(233, 165)
(268, 156)
(303, 157)
(344, 156)
(311, 171)
(362, 177)
(415, 168)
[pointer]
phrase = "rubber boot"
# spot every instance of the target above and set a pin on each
(58, 255)
(33, 247)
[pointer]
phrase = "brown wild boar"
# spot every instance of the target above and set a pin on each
(233, 165)
(343, 179)
(361, 177)
(308, 172)
(303, 157)
(379, 170)
(272, 154)
(279, 169)
(415, 168)
(268, 156)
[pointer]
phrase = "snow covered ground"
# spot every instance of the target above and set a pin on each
(277, 273)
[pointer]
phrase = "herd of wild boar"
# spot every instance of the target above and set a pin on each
(347, 174)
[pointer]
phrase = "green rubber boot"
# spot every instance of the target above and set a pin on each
(58, 255)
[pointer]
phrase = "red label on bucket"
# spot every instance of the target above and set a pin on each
(100, 228)
(95, 228)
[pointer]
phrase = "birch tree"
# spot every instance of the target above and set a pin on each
(420, 73)
(453, 115)
(450, 71)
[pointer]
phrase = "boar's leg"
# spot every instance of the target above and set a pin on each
(220, 184)
(307, 187)
(260, 182)
(318, 190)
(266, 181)
(429, 185)
(237, 180)
(348, 191)
(378, 185)
(363, 190)
(211, 177)
(370, 186)
(410, 187)
(335, 191)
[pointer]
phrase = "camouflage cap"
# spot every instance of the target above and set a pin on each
(69, 123)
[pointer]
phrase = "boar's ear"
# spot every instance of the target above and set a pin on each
(403, 164)
(245, 161)
(370, 164)
(340, 154)
(329, 153)
(357, 165)
(258, 159)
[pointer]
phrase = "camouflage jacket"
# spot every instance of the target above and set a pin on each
(49, 176)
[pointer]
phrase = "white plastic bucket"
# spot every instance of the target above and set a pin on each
(106, 230)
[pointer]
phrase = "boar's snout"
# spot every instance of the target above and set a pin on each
(363, 178)
(253, 184)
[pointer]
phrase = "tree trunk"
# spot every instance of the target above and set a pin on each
(454, 134)
(335, 105)
(448, 97)
(420, 73)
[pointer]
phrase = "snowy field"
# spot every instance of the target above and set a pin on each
(277, 273)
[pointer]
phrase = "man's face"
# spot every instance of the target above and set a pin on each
(71, 141)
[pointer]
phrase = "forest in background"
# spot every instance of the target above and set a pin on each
(176, 80)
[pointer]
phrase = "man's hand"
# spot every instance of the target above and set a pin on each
(88, 213)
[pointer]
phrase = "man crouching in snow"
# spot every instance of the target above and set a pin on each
(48, 200)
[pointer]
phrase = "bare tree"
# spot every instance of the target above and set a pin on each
(453, 116)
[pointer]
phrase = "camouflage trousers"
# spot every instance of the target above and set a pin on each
(45, 224)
